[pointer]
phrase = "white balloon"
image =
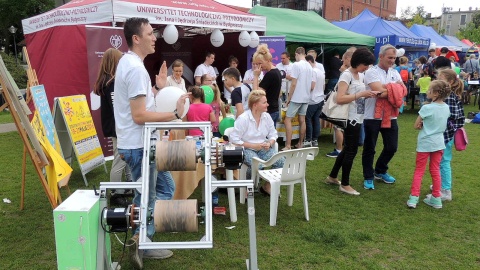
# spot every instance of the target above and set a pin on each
(228, 131)
(166, 100)
(433, 45)
(216, 38)
(254, 39)
(400, 52)
(244, 39)
(170, 34)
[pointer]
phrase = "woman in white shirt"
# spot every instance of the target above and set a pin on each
(249, 76)
(176, 78)
(255, 131)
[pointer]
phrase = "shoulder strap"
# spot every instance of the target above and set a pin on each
(248, 85)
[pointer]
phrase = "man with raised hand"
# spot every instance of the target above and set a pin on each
(134, 106)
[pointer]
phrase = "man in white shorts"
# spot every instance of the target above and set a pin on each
(298, 96)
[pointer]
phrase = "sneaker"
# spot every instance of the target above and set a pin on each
(385, 177)
(157, 254)
(446, 194)
(134, 254)
(412, 201)
(435, 202)
(315, 143)
(307, 144)
(333, 154)
(368, 184)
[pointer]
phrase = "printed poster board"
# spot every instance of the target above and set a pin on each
(76, 131)
(46, 127)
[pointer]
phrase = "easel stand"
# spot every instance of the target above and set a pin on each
(37, 163)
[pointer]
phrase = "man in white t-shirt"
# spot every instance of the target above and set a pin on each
(375, 79)
(285, 68)
(317, 64)
(298, 96)
(314, 105)
(206, 68)
(134, 106)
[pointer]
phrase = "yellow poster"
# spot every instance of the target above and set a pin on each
(58, 171)
(81, 128)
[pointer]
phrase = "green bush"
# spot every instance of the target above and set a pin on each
(17, 71)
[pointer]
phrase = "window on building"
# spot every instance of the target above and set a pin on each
(347, 14)
(386, 4)
(463, 19)
(341, 14)
(370, 2)
(449, 16)
(447, 29)
(382, 4)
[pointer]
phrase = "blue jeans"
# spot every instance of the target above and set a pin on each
(313, 121)
(422, 98)
(445, 166)
(372, 128)
(262, 154)
(162, 185)
(345, 158)
(330, 85)
(275, 116)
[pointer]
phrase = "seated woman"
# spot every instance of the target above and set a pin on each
(255, 131)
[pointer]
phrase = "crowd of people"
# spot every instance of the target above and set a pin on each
(374, 94)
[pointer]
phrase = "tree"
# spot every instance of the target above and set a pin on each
(410, 17)
(472, 30)
(13, 12)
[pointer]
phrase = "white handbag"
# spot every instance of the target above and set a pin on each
(334, 113)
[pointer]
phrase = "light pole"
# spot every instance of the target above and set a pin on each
(13, 30)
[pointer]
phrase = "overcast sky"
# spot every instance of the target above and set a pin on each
(431, 6)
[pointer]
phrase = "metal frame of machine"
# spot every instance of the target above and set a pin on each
(207, 240)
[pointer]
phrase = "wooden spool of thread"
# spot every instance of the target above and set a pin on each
(175, 216)
(176, 156)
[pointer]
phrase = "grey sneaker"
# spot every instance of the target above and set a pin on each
(135, 255)
(307, 144)
(446, 194)
(157, 254)
(315, 143)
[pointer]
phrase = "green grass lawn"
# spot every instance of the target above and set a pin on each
(5, 117)
(372, 231)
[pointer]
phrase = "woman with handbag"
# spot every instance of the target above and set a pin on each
(351, 91)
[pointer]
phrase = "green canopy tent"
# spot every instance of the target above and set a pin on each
(308, 27)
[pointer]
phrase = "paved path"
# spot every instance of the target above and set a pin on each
(7, 127)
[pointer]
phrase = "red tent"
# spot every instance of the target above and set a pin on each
(56, 40)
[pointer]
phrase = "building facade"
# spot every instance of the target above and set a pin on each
(451, 22)
(337, 10)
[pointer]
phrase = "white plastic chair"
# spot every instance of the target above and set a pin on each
(293, 172)
(243, 175)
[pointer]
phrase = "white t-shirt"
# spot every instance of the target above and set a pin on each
(320, 66)
(288, 71)
(249, 77)
(303, 72)
(131, 80)
(377, 74)
(317, 95)
(356, 108)
(204, 69)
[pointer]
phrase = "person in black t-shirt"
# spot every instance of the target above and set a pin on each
(442, 61)
(271, 82)
(240, 91)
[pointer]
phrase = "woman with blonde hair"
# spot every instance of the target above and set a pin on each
(255, 131)
(104, 87)
(271, 82)
(455, 121)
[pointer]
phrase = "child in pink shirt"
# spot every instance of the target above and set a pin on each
(199, 111)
